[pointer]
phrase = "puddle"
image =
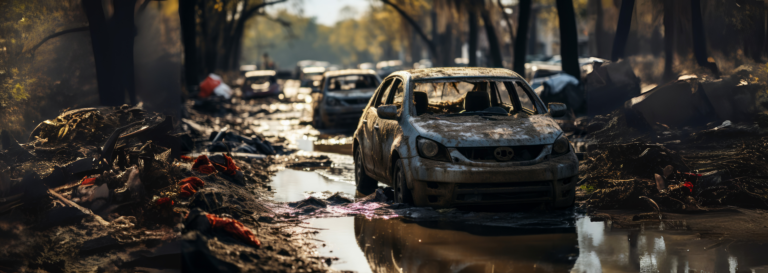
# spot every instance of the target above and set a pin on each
(292, 185)
(340, 242)
(397, 245)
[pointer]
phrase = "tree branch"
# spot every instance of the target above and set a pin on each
(57, 34)
(415, 26)
(252, 11)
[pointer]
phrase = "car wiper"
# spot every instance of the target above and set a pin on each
(479, 113)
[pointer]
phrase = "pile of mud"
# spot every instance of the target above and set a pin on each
(668, 169)
(107, 189)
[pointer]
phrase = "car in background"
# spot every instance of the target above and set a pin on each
(456, 136)
(384, 68)
(341, 97)
(260, 84)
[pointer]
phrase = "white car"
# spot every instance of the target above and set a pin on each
(445, 137)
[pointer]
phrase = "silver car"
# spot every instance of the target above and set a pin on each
(446, 137)
(341, 97)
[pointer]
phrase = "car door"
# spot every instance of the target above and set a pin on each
(369, 139)
(385, 128)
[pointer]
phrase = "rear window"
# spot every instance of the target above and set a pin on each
(351, 82)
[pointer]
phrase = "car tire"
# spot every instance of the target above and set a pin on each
(317, 121)
(364, 184)
(402, 193)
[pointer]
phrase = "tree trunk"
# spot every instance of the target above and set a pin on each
(569, 41)
(699, 40)
(123, 33)
(187, 14)
(97, 27)
(521, 39)
(112, 43)
(669, 40)
(473, 33)
(510, 26)
(599, 29)
(622, 29)
(493, 39)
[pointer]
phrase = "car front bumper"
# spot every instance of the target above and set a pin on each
(445, 184)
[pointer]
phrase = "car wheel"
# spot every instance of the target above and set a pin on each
(365, 184)
(402, 193)
(317, 121)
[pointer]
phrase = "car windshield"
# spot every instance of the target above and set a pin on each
(472, 97)
(350, 82)
(256, 83)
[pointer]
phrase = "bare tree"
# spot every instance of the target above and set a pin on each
(521, 39)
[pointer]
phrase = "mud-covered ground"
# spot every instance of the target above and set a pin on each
(293, 190)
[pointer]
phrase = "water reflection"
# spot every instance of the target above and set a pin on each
(396, 245)
(663, 247)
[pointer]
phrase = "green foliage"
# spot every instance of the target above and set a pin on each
(23, 76)
(588, 188)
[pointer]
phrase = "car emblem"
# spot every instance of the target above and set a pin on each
(503, 153)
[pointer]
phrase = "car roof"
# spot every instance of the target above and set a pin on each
(260, 73)
(345, 72)
(459, 72)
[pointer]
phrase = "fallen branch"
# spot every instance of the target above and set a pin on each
(75, 205)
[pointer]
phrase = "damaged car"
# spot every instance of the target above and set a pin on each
(444, 137)
(340, 99)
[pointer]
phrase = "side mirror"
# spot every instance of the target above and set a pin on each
(557, 110)
(387, 112)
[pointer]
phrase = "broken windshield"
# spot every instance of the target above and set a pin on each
(468, 97)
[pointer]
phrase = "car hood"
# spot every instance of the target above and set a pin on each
(487, 131)
(354, 93)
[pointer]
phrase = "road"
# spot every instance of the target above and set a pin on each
(515, 240)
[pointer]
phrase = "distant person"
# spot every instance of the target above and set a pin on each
(266, 63)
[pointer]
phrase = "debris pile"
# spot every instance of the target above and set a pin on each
(108, 189)
(690, 145)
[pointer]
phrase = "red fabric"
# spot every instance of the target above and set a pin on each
(203, 165)
(88, 181)
(189, 186)
(207, 86)
(165, 201)
(196, 182)
(234, 227)
(688, 185)
(186, 158)
(187, 190)
(230, 168)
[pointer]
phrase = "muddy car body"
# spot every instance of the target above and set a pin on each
(341, 97)
(511, 152)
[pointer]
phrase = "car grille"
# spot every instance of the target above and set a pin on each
(522, 153)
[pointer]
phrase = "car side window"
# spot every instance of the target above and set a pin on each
(526, 102)
(383, 93)
(503, 93)
(399, 93)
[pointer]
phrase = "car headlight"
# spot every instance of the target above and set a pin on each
(332, 102)
(431, 149)
(561, 146)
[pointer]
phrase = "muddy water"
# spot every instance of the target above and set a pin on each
(519, 242)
